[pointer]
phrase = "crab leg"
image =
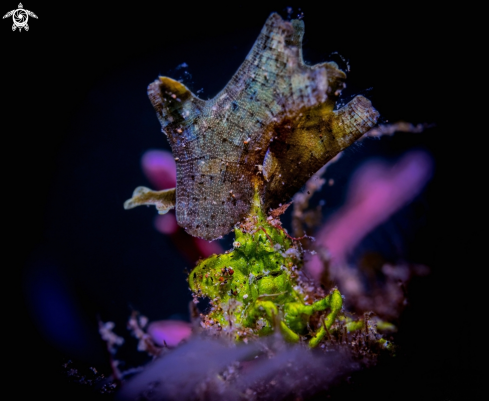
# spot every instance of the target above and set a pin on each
(334, 302)
(271, 313)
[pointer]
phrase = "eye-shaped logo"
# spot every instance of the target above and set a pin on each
(20, 17)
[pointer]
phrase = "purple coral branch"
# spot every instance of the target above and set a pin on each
(160, 169)
(376, 192)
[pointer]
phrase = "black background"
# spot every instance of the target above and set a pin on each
(76, 121)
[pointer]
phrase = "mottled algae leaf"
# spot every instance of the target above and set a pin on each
(163, 200)
(270, 128)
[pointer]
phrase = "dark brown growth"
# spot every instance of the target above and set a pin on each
(274, 117)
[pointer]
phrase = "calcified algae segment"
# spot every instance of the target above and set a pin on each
(271, 127)
(247, 151)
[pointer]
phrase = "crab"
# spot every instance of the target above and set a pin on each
(247, 150)
(255, 288)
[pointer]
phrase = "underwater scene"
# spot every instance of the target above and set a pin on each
(236, 203)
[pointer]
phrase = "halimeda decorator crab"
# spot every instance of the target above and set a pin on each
(246, 151)
(255, 287)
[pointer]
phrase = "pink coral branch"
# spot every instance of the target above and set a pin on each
(376, 192)
(169, 332)
(160, 169)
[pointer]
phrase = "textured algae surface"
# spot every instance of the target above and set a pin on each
(273, 126)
